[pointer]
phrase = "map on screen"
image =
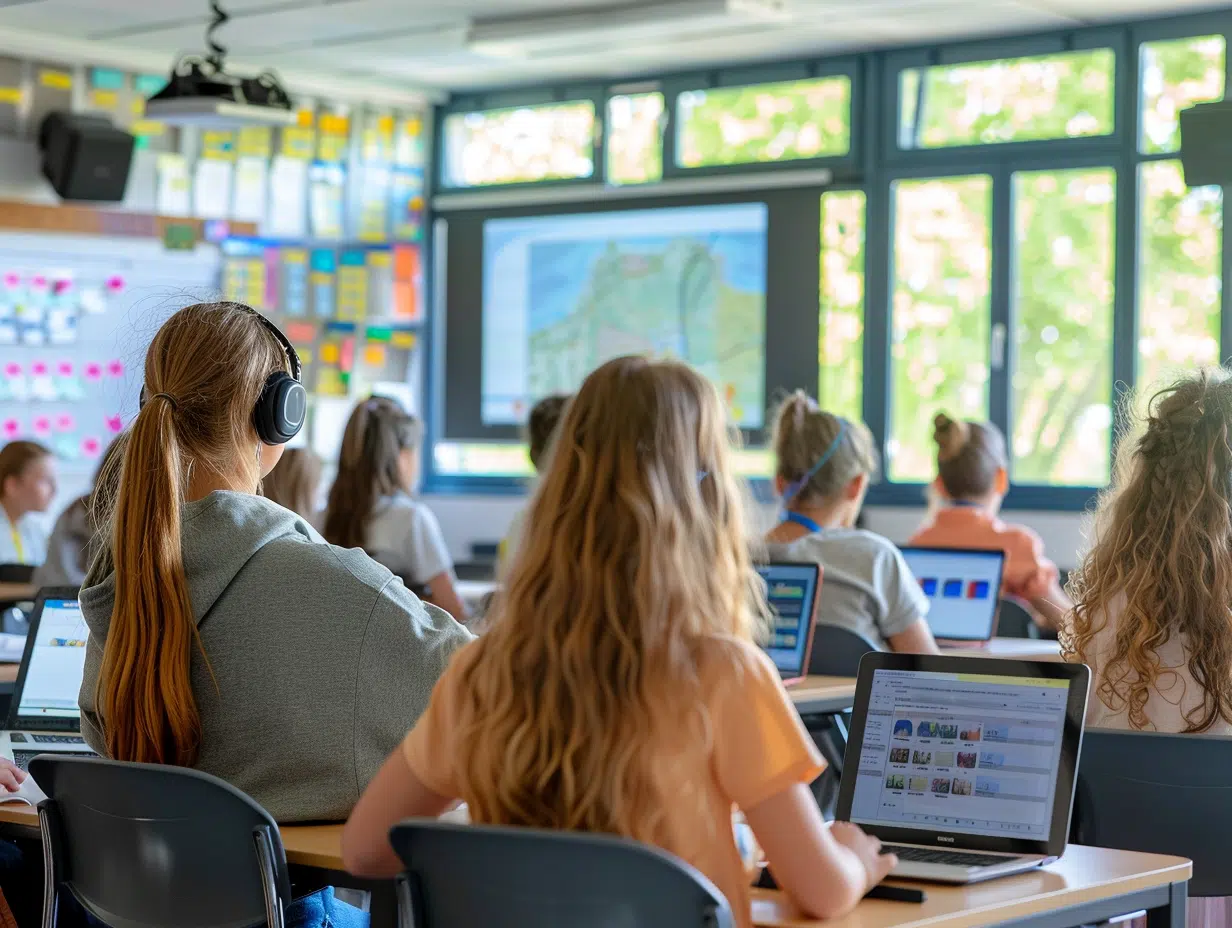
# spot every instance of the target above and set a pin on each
(563, 294)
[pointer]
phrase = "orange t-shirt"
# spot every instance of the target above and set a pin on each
(1028, 573)
(758, 747)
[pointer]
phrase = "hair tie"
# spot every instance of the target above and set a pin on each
(169, 398)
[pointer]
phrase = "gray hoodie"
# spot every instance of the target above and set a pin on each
(323, 661)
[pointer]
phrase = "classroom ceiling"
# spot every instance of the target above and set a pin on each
(442, 45)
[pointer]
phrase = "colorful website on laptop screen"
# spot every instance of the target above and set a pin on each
(57, 663)
(968, 753)
(963, 590)
(792, 592)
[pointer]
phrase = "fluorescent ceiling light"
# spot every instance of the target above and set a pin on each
(519, 37)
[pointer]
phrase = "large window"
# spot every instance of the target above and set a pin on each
(1019, 99)
(1176, 74)
(1064, 259)
(525, 144)
(840, 356)
(940, 313)
(785, 121)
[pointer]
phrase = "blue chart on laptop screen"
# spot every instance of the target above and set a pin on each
(57, 663)
(961, 753)
(962, 589)
(791, 592)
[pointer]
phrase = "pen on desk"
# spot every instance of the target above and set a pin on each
(896, 893)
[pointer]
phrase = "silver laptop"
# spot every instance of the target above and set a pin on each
(963, 587)
(44, 717)
(964, 766)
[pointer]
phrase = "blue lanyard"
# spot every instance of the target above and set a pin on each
(802, 521)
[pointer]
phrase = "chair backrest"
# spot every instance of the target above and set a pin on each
(16, 573)
(463, 876)
(146, 846)
(837, 651)
(1163, 794)
(1013, 621)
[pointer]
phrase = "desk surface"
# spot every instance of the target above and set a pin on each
(1083, 876)
(1029, 649)
(17, 592)
(822, 695)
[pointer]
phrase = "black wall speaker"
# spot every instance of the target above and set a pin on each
(1206, 144)
(84, 156)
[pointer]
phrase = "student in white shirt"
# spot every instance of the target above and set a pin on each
(370, 505)
(27, 487)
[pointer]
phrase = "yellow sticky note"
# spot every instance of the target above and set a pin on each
(138, 107)
(380, 258)
(305, 355)
(403, 340)
(11, 95)
(57, 80)
(374, 355)
(295, 257)
(146, 127)
(385, 125)
(305, 118)
(330, 353)
(104, 98)
(333, 125)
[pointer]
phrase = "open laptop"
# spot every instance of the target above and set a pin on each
(964, 766)
(44, 717)
(963, 586)
(792, 591)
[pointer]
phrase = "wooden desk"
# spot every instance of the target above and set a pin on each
(822, 695)
(1023, 649)
(1086, 886)
(8, 673)
(17, 592)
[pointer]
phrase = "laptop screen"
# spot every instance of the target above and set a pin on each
(57, 663)
(792, 592)
(961, 752)
(963, 590)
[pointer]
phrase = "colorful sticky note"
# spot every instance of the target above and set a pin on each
(374, 355)
(94, 371)
(115, 368)
(65, 368)
(56, 80)
(65, 422)
(91, 446)
(12, 428)
(12, 369)
(38, 368)
(115, 424)
(42, 425)
(330, 353)
(115, 284)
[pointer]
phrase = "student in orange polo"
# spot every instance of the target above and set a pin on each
(972, 480)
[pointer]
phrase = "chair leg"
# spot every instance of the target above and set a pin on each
(274, 916)
(406, 902)
(51, 895)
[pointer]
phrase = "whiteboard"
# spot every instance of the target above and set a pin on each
(77, 313)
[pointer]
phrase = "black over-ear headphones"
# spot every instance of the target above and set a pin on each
(283, 403)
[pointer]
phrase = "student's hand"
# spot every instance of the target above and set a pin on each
(867, 848)
(11, 776)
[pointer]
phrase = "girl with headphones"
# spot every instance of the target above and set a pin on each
(225, 634)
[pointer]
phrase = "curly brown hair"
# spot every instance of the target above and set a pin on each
(1163, 543)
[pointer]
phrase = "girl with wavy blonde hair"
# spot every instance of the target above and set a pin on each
(1153, 598)
(619, 690)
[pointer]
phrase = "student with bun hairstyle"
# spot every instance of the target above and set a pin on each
(27, 488)
(371, 504)
(294, 481)
(823, 467)
(545, 416)
(225, 634)
(619, 690)
(972, 480)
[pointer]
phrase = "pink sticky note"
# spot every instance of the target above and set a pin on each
(38, 368)
(90, 447)
(65, 422)
(115, 423)
(42, 425)
(65, 368)
(115, 368)
(38, 282)
(94, 371)
(115, 284)
(12, 281)
(12, 428)
(61, 286)
(12, 369)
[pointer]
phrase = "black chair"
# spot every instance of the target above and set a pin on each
(1014, 621)
(837, 651)
(1162, 794)
(16, 573)
(146, 846)
(464, 876)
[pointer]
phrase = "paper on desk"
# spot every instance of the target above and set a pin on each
(12, 647)
(29, 793)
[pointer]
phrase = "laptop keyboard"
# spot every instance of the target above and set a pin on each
(926, 855)
(22, 758)
(57, 739)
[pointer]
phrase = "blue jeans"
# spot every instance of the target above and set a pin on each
(322, 910)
